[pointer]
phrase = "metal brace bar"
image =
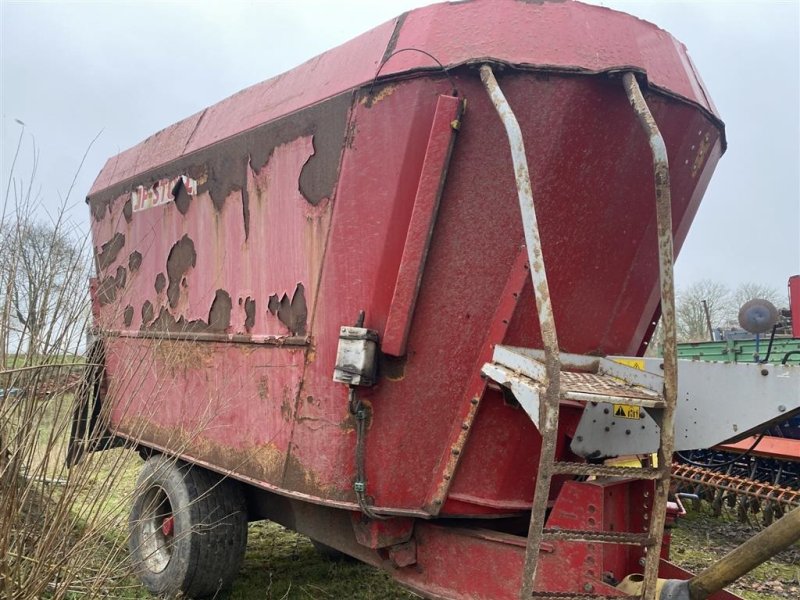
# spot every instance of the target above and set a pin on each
(670, 356)
(548, 410)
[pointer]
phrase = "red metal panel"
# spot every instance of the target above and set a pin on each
(794, 304)
(461, 564)
(567, 36)
(216, 402)
(768, 447)
(519, 440)
(353, 63)
(420, 229)
(157, 149)
(457, 563)
(594, 202)
(374, 202)
(560, 36)
(283, 226)
(329, 74)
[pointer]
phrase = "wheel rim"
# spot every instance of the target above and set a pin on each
(158, 529)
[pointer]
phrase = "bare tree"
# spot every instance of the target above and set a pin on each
(750, 290)
(46, 262)
(44, 266)
(692, 323)
(53, 520)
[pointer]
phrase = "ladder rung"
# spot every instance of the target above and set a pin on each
(569, 468)
(607, 537)
(571, 596)
(613, 399)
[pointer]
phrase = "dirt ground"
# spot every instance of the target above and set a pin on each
(699, 539)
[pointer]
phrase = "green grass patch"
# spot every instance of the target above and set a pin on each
(282, 564)
(700, 539)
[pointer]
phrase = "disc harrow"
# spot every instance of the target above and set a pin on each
(748, 495)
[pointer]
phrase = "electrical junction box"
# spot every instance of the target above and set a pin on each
(356, 356)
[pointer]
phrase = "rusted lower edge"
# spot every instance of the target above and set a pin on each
(420, 229)
(136, 440)
(548, 415)
(476, 387)
(665, 265)
(204, 336)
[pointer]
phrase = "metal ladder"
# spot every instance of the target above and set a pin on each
(556, 382)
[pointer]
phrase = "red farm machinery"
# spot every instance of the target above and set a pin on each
(385, 299)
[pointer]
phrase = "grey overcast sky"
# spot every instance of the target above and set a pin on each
(128, 69)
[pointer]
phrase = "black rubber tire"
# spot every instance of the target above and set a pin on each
(188, 529)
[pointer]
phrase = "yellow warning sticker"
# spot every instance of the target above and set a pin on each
(626, 411)
(636, 363)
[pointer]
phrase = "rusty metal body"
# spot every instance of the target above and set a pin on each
(233, 245)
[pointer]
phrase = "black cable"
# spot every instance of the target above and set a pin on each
(358, 410)
(788, 354)
(771, 339)
(726, 463)
(428, 54)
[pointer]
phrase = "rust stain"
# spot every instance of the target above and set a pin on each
(292, 313)
(250, 314)
(107, 290)
(147, 313)
(182, 355)
(182, 197)
(219, 316)
(134, 261)
(262, 463)
(392, 45)
(161, 283)
(286, 409)
(298, 478)
(127, 316)
(311, 355)
(392, 368)
(165, 322)
(222, 168)
(702, 150)
(127, 210)
(376, 96)
(109, 251)
(122, 277)
(263, 390)
(181, 258)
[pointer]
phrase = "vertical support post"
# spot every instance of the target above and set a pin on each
(548, 415)
(665, 264)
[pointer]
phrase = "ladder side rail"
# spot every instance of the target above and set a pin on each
(548, 409)
(667, 284)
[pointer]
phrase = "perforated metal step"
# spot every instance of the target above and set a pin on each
(568, 468)
(604, 537)
(591, 387)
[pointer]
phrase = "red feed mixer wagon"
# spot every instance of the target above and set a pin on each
(374, 299)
